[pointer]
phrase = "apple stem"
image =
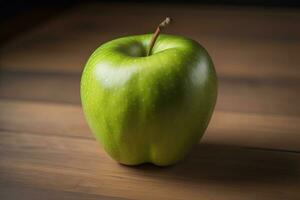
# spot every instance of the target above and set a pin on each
(156, 33)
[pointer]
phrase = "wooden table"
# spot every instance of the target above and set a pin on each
(251, 149)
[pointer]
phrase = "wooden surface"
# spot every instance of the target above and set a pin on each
(251, 149)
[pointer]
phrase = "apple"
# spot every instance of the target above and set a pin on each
(149, 108)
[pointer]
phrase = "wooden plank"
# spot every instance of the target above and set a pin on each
(44, 118)
(210, 172)
(24, 192)
(235, 94)
(243, 42)
(232, 57)
(50, 87)
(231, 128)
(259, 96)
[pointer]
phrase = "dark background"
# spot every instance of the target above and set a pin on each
(19, 16)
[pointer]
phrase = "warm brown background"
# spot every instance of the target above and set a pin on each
(251, 149)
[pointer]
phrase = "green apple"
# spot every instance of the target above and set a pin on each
(149, 108)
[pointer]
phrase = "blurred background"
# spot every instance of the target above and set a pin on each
(35, 12)
(254, 44)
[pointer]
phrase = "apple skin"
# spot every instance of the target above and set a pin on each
(149, 108)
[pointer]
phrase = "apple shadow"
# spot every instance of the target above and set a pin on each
(228, 164)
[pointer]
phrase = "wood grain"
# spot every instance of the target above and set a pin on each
(235, 94)
(77, 165)
(231, 128)
(251, 149)
(21, 191)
